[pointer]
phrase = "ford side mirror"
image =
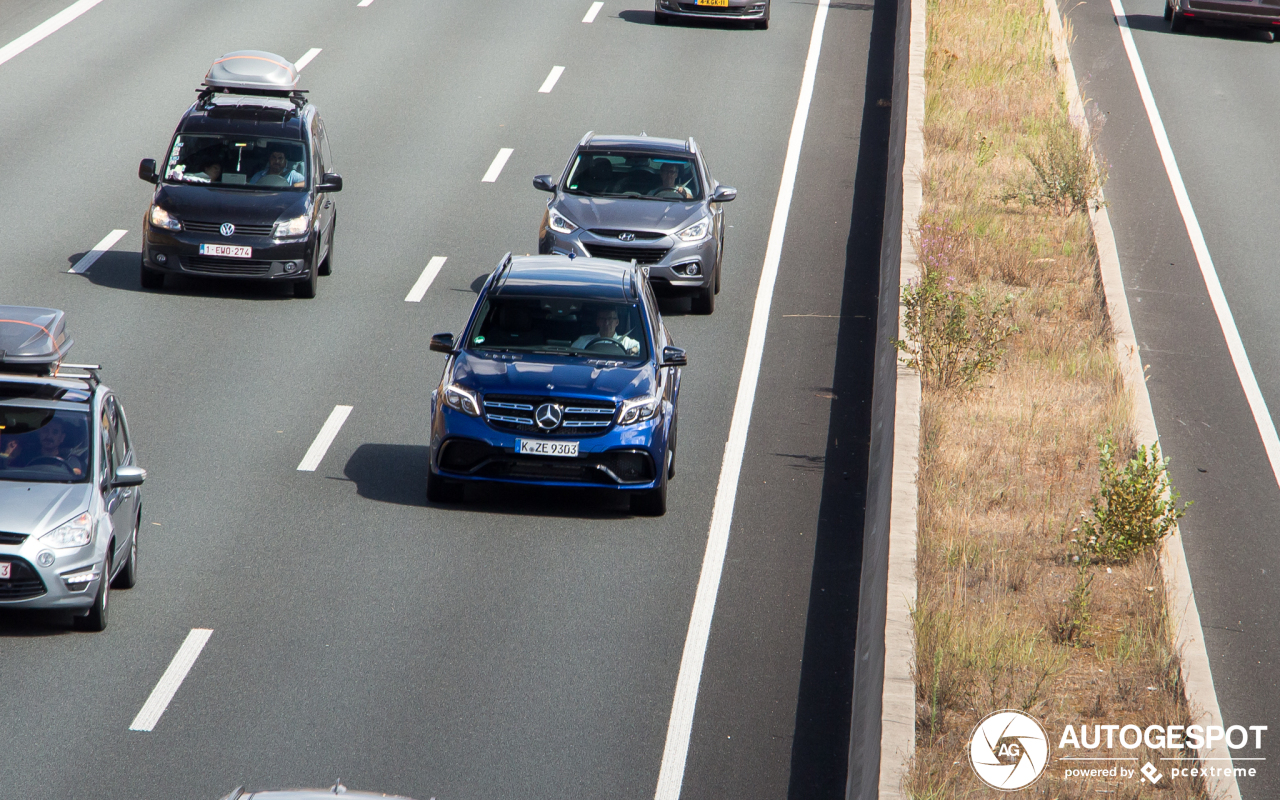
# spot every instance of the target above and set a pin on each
(724, 194)
(673, 357)
(330, 182)
(442, 343)
(128, 476)
(147, 170)
(544, 183)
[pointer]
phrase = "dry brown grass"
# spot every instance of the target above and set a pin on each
(1008, 466)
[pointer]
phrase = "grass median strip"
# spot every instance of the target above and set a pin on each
(1038, 582)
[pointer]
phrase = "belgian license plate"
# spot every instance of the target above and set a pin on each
(532, 447)
(721, 3)
(6, 569)
(230, 250)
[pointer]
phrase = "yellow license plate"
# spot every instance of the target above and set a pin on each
(720, 3)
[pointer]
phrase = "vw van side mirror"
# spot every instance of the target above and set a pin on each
(330, 182)
(673, 357)
(128, 476)
(544, 183)
(724, 194)
(442, 343)
(147, 170)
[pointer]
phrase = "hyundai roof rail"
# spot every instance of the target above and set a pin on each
(691, 145)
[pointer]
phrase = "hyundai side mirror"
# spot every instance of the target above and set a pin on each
(128, 476)
(442, 343)
(147, 170)
(330, 182)
(544, 183)
(674, 357)
(724, 194)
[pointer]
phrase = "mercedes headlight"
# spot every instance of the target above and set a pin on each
(640, 409)
(696, 232)
(461, 399)
(292, 227)
(162, 219)
(558, 223)
(73, 533)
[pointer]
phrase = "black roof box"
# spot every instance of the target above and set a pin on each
(32, 339)
(254, 71)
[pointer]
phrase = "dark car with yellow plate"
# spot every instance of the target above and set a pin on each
(753, 11)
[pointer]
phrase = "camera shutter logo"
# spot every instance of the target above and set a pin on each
(1008, 750)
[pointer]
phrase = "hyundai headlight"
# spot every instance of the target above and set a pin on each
(639, 409)
(461, 399)
(696, 232)
(162, 219)
(558, 223)
(292, 227)
(73, 533)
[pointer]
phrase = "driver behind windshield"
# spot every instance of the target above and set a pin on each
(54, 444)
(607, 328)
(277, 164)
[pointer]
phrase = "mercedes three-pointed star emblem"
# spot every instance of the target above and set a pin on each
(548, 416)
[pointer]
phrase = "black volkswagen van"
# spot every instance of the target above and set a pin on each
(246, 189)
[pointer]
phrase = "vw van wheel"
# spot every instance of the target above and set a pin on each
(327, 267)
(307, 288)
(1168, 11)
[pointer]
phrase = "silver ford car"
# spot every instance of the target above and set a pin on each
(645, 199)
(241, 793)
(69, 498)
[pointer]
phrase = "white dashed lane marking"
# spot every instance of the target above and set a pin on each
(428, 275)
(324, 438)
(495, 168)
(591, 12)
(364, 3)
(306, 58)
(108, 242)
(171, 680)
(547, 85)
(51, 25)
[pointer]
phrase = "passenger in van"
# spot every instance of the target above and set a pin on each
(212, 172)
(277, 173)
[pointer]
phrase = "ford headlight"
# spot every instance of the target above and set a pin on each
(292, 227)
(696, 232)
(162, 219)
(73, 533)
(639, 409)
(461, 399)
(558, 223)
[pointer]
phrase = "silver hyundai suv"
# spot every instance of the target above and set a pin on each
(645, 199)
(69, 498)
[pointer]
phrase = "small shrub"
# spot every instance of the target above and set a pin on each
(1135, 507)
(957, 336)
(1063, 177)
(1072, 621)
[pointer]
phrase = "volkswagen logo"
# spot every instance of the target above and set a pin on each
(548, 416)
(227, 229)
(627, 236)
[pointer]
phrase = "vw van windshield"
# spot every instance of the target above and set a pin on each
(238, 162)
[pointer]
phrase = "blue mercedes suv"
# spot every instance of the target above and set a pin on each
(564, 376)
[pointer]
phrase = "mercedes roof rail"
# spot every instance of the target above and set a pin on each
(496, 275)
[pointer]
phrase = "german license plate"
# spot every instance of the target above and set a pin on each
(720, 3)
(532, 447)
(230, 250)
(6, 569)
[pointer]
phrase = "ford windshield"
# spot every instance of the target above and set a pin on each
(44, 445)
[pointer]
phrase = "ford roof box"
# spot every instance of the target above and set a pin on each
(32, 340)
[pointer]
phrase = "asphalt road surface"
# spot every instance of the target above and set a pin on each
(526, 644)
(1217, 91)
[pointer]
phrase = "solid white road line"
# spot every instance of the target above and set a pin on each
(1244, 370)
(324, 438)
(171, 680)
(499, 161)
(108, 242)
(424, 280)
(591, 12)
(671, 774)
(45, 28)
(364, 3)
(554, 76)
(306, 58)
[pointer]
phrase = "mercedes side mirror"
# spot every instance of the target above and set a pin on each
(724, 194)
(128, 476)
(544, 183)
(442, 343)
(673, 357)
(330, 182)
(147, 170)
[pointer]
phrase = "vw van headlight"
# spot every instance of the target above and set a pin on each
(292, 227)
(163, 219)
